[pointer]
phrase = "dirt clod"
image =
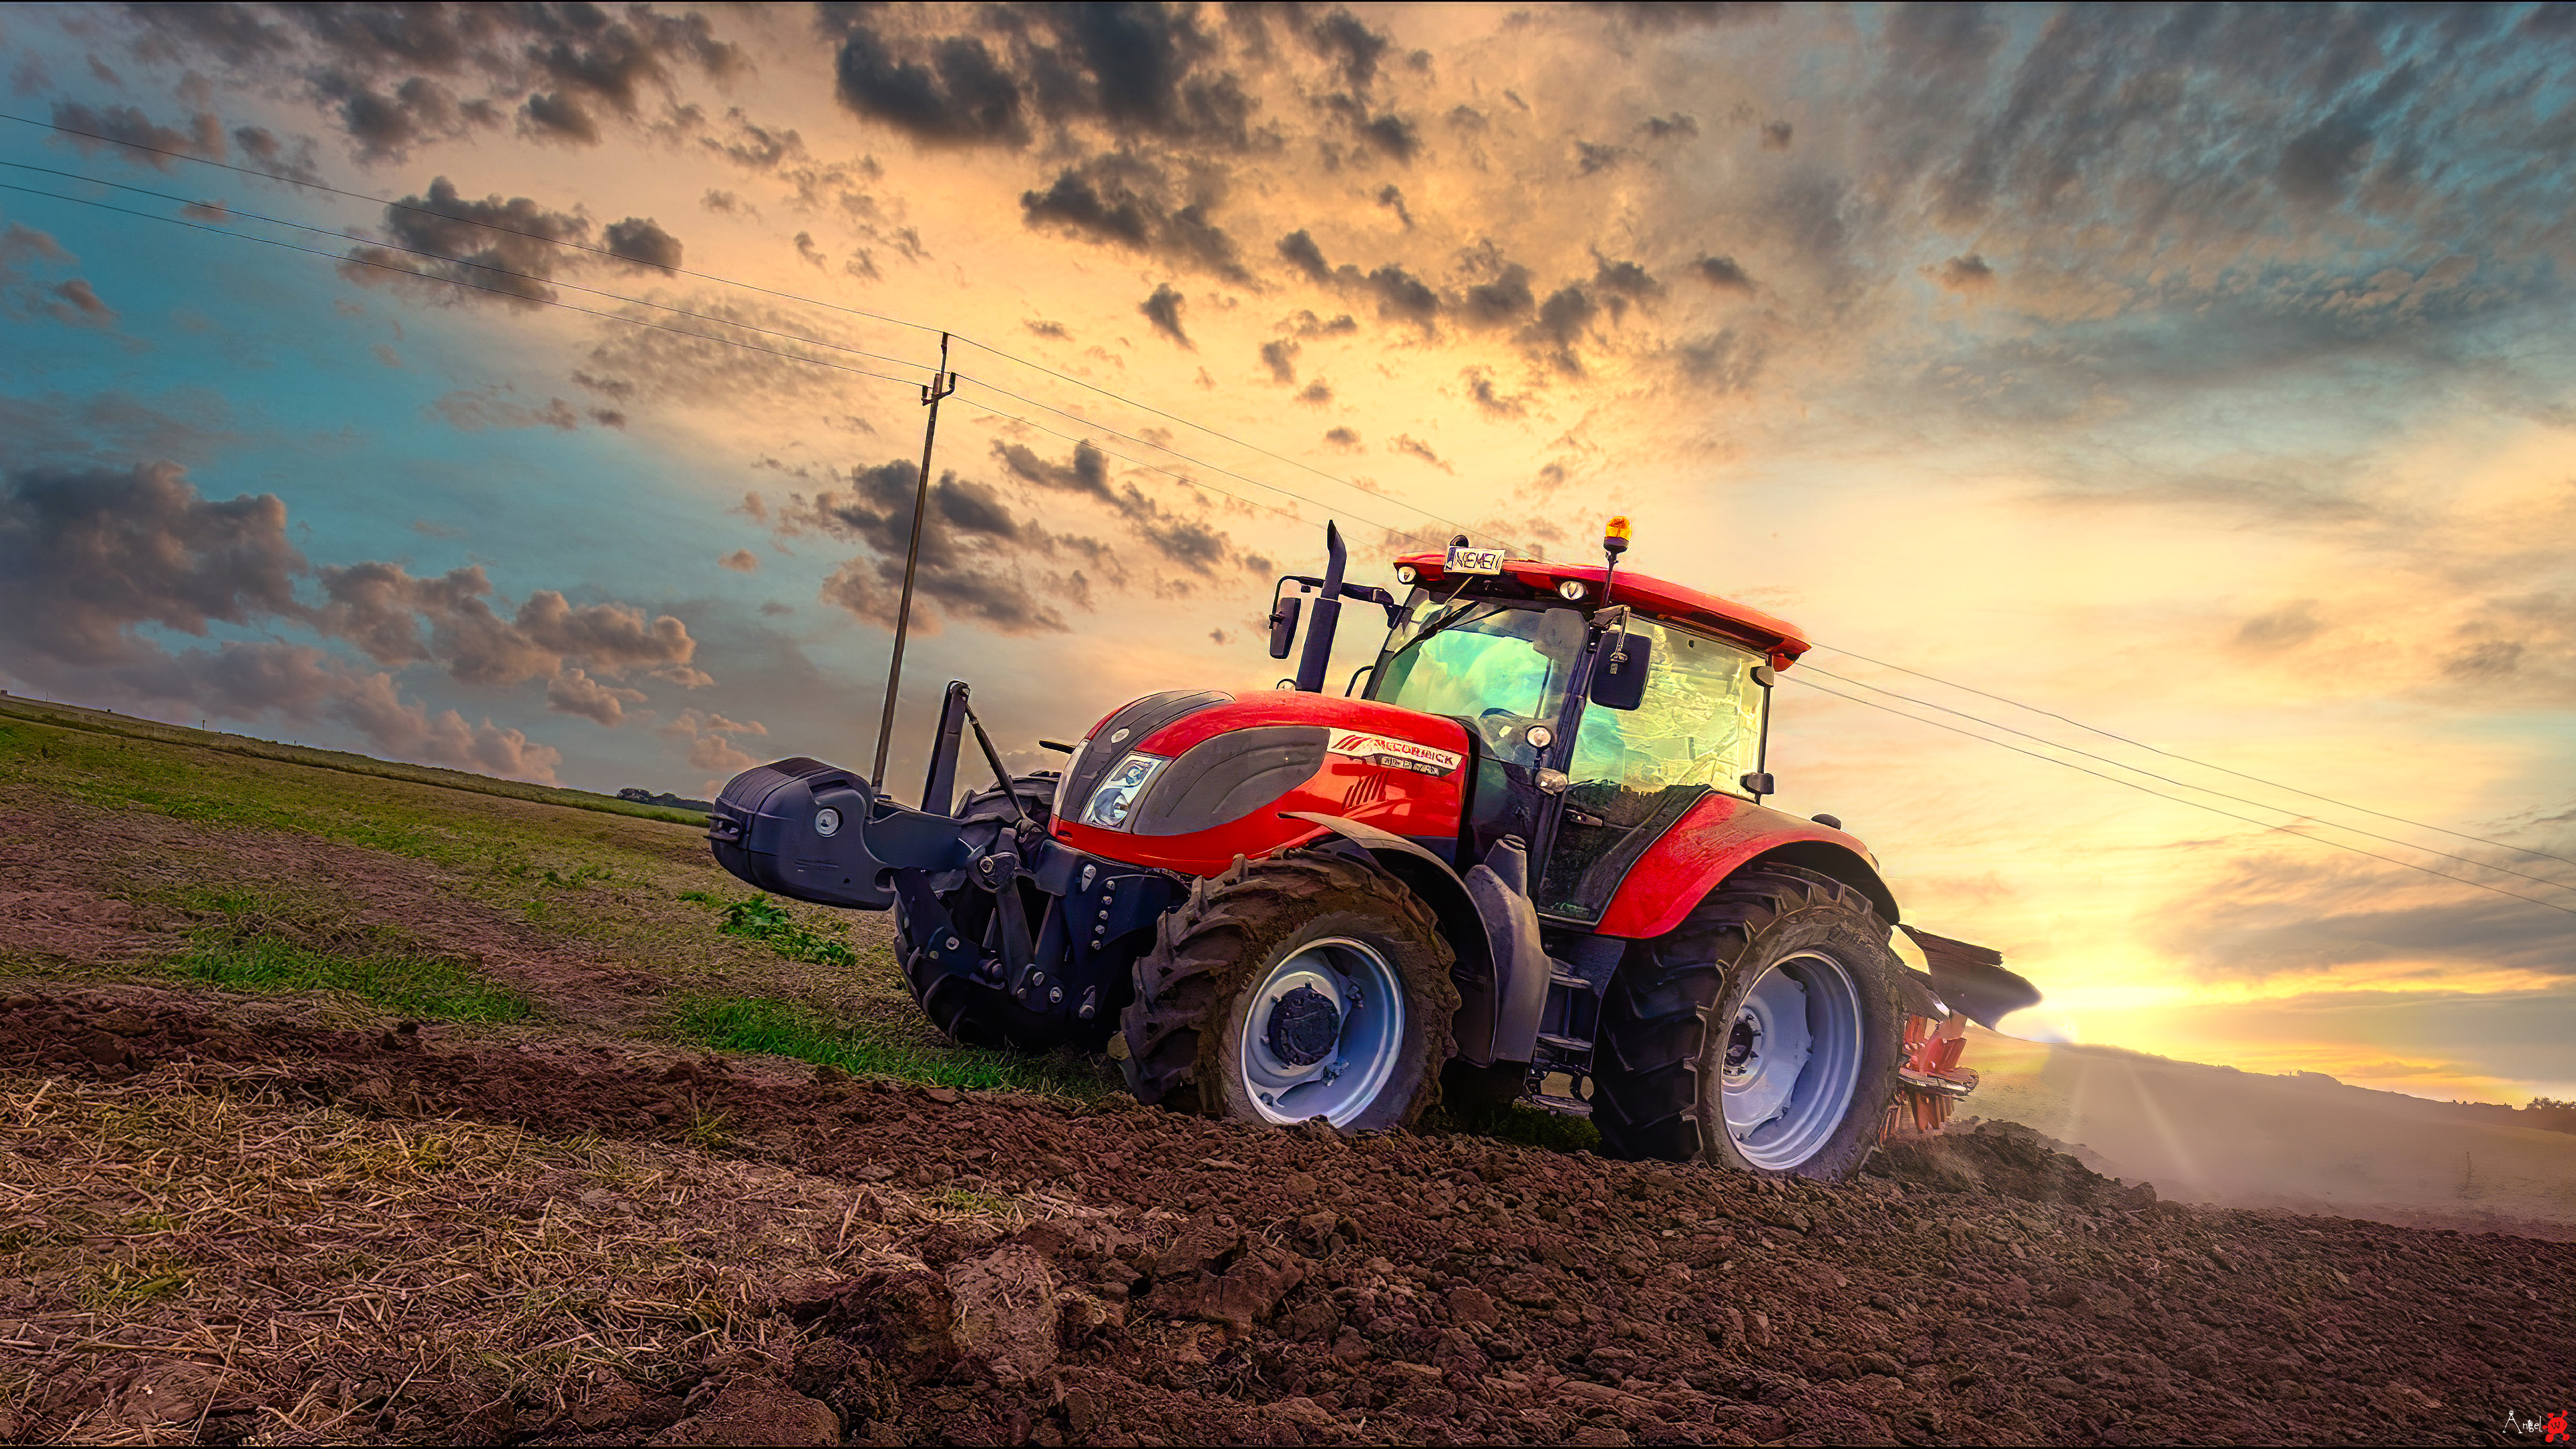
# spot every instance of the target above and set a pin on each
(755, 1409)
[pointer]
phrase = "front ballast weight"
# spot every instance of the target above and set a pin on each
(1008, 937)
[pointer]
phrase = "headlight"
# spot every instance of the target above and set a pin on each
(1113, 801)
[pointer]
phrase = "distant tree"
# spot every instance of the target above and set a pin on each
(2550, 1114)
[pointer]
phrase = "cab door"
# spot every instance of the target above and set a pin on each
(1633, 773)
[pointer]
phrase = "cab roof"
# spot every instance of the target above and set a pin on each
(1652, 597)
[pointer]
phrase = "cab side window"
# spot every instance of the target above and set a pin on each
(1700, 724)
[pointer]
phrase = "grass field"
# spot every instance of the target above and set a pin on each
(436, 895)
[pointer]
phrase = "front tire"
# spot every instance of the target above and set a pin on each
(1763, 1034)
(1306, 985)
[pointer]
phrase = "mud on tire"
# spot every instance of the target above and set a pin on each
(973, 1013)
(1185, 1028)
(1660, 1055)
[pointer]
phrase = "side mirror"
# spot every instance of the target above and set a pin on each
(1619, 678)
(1283, 624)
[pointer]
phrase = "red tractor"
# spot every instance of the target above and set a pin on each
(1523, 855)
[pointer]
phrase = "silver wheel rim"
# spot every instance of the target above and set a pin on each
(1791, 1060)
(1368, 998)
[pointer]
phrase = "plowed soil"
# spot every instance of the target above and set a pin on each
(1145, 1278)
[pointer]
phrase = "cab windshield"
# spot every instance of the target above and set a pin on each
(1504, 664)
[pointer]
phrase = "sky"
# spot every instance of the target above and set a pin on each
(2189, 387)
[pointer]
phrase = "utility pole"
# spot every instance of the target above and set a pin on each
(941, 384)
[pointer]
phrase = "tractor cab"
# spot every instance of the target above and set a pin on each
(1682, 715)
(1603, 705)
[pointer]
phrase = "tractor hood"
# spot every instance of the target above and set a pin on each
(1188, 780)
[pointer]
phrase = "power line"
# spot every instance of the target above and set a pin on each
(663, 327)
(541, 280)
(2186, 784)
(1087, 386)
(1184, 422)
(991, 411)
(710, 277)
(2179, 800)
(2188, 760)
(441, 215)
(1186, 458)
(459, 282)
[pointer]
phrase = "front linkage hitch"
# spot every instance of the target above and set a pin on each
(818, 833)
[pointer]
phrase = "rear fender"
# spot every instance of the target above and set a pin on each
(1488, 920)
(1719, 837)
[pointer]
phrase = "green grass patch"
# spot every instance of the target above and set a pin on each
(781, 1028)
(267, 944)
(1528, 1126)
(99, 721)
(762, 919)
(422, 814)
(128, 1285)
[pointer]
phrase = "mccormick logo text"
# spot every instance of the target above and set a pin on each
(1398, 754)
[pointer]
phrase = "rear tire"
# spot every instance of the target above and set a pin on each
(975, 1013)
(1205, 1032)
(1774, 963)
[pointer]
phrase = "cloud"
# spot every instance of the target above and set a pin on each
(1505, 299)
(1188, 542)
(90, 560)
(710, 739)
(267, 152)
(490, 407)
(1724, 361)
(1125, 200)
(1489, 398)
(407, 729)
(143, 139)
(1163, 309)
(956, 94)
(2304, 908)
(85, 556)
(1126, 71)
(494, 247)
(741, 561)
(1591, 159)
(575, 692)
(2286, 627)
(642, 241)
(1302, 253)
(1969, 273)
(395, 78)
(84, 301)
(1724, 274)
(451, 621)
(1407, 443)
(1307, 324)
(1665, 16)
(1281, 358)
(26, 255)
(971, 563)
(1402, 297)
